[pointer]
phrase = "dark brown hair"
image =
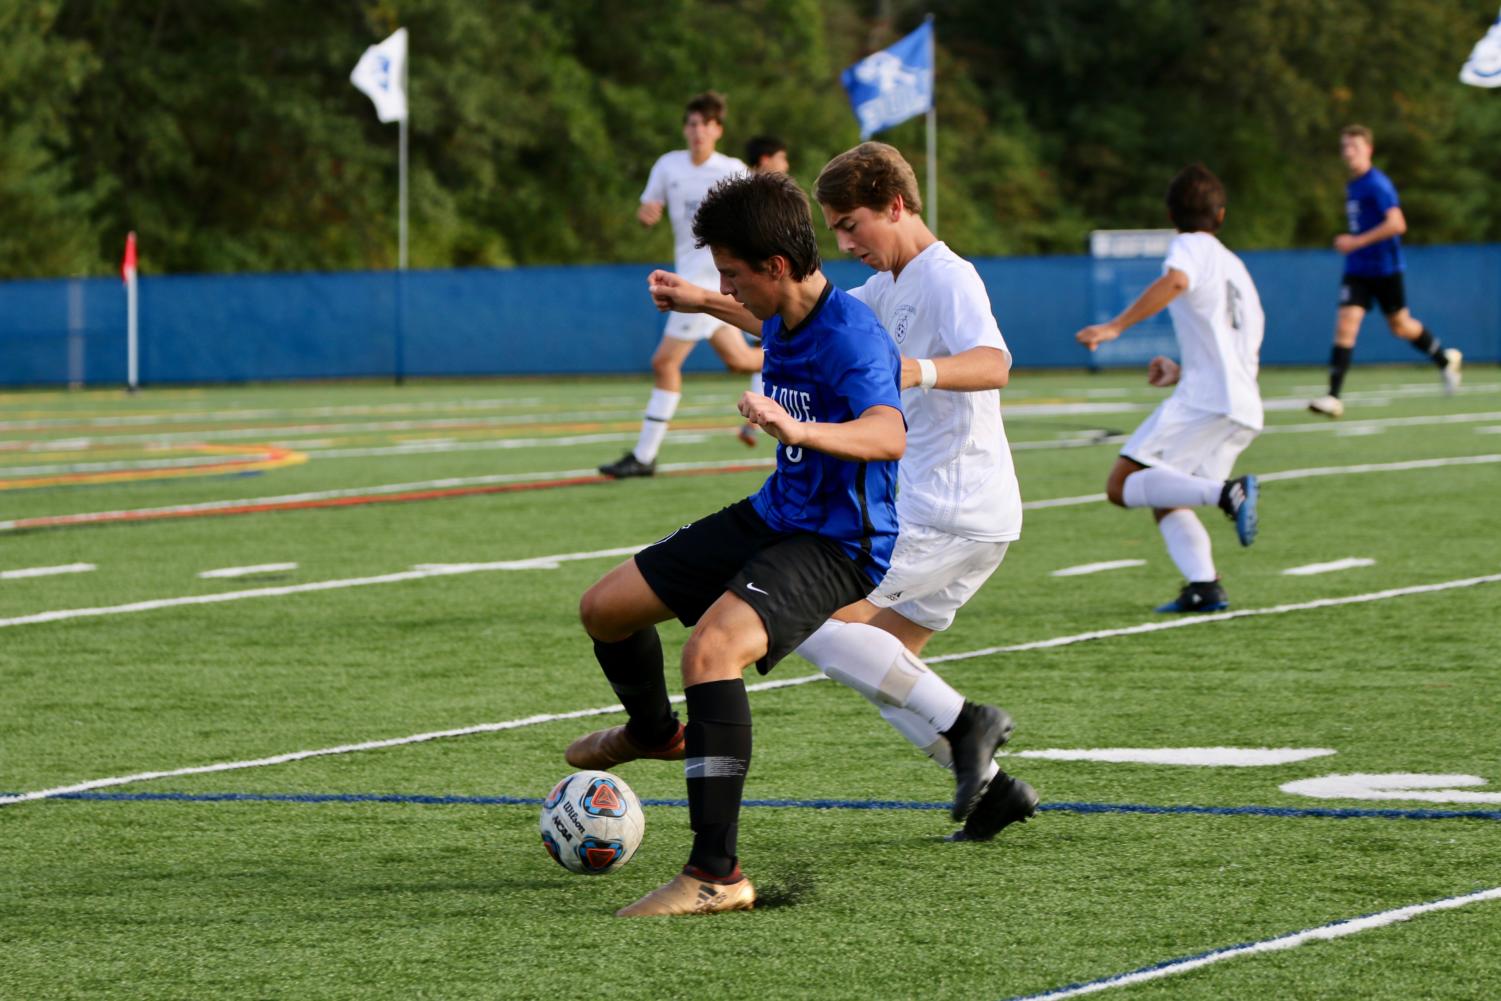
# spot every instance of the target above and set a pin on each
(1196, 200)
(709, 105)
(756, 217)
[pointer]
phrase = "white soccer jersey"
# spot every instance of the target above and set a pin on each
(1219, 324)
(957, 474)
(680, 185)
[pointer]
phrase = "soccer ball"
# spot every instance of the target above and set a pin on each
(592, 823)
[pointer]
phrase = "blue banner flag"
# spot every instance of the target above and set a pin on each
(888, 87)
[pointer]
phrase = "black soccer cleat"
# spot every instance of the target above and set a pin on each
(1203, 596)
(1006, 801)
(626, 466)
(973, 738)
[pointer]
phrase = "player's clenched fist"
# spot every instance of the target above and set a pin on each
(769, 415)
(670, 293)
(1162, 371)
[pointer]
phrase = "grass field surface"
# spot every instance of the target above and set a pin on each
(287, 670)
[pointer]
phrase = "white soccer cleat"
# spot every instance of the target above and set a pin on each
(1453, 361)
(1329, 406)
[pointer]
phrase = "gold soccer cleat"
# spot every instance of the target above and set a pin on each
(604, 749)
(683, 894)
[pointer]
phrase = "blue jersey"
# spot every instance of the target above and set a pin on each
(832, 367)
(1367, 200)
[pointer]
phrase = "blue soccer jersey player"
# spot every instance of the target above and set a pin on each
(1374, 269)
(758, 577)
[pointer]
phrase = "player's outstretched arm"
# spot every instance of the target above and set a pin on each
(879, 434)
(671, 293)
(1152, 301)
(966, 372)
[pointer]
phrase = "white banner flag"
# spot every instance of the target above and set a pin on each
(381, 74)
(1483, 68)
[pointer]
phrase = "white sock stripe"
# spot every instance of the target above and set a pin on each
(759, 687)
(715, 767)
(1325, 933)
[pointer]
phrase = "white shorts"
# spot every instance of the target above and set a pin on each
(694, 326)
(1196, 442)
(933, 574)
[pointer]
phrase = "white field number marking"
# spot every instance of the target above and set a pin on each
(46, 571)
(1348, 563)
(248, 571)
(1085, 568)
(1394, 786)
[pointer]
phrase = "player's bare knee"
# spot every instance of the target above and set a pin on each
(596, 612)
(1115, 489)
(706, 657)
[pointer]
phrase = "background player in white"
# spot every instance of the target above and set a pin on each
(958, 500)
(1182, 454)
(678, 183)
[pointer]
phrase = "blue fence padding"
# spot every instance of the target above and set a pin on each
(597, 319)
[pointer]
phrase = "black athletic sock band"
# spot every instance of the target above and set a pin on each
(634, 669)
(718, 756)
(1431, 346)
(1339, 364)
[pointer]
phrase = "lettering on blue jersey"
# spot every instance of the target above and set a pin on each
(799, 406)
(797, 402)
(1352, 212)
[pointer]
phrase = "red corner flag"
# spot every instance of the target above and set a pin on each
(128, 266)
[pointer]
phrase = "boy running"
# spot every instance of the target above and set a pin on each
(1182, 454)
(1374, 268)
(755, 579)
(959, 503)
(678, 183)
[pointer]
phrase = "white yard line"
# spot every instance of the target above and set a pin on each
(46, 571)
(1204, 618)
(1323, 933)
(248, 571)
(1088, 568)
(1058, 641)
(1348, 563)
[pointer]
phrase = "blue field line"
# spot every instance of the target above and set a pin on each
(1327, 813)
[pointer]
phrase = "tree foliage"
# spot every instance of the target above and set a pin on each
(228, 135)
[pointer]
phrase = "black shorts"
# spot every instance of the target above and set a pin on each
(1360, 290)
(794, 580)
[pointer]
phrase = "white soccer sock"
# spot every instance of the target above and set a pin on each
(1188, 544)
(920, 733)
(659, 410)
(756, 385)
(876, 664)
(1159, 487)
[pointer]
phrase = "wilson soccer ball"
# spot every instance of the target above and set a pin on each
(592, 823)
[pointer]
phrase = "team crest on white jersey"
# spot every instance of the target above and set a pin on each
(904, 315)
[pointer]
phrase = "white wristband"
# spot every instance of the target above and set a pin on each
(929, 377)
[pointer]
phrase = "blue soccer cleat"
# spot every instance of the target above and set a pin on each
(1204, 596)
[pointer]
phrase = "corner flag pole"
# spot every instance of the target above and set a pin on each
(933, 143)
(401, 240)
(132, 327)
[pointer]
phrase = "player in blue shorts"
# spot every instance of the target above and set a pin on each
(757, 578)
(1374, 272)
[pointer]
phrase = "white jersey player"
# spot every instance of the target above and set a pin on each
(677, 184)
(958, 501)
(1182, 455)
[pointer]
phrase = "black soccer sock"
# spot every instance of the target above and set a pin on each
(718, 752)
(1339, 364)
(1430, 346)
(634, 669)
